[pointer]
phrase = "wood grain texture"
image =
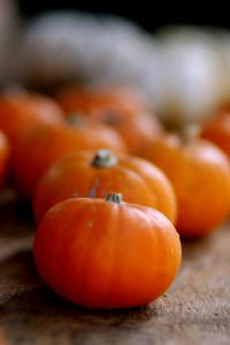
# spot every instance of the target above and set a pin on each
(195, 310)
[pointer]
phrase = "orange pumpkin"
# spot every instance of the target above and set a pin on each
(21, 112)
(116, 107)
(116, 98)
(94, 174)
(222, 110)
(41, 148)
(200, 174)
(4, 157)
(106, 253)
(217, 130)
(97, 131)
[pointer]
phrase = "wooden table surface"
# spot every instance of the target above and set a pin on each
(195, 310)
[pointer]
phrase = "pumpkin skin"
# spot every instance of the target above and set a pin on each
(200, 174)
(41, 148)
(4, 157)
(217, 130)
(22, 112)
(98, 131)
(118, 108)
(94, 174)
(121, 98)
(106, 254)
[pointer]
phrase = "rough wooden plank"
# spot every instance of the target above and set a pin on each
(196, 309)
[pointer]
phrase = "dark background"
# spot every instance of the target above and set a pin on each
(151, 15)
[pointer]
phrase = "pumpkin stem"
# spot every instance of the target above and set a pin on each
(104, 159)
(114, 197)
(76, 120)
(189, 133)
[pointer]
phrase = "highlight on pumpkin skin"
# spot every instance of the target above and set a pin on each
(97, 173)
(109, 254)
(200, 174)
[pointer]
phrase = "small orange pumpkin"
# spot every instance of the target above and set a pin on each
(120, 99)
(200, 174)
(94, 174)
(21, 112)
(97, 131)
(43, 146)
(106, 253)
(116, 107)
(217, 130)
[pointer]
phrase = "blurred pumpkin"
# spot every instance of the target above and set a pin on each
(217, 130)
(22, 111)
(43, 146)
(200, 174)
(117, 107)
(91, 127)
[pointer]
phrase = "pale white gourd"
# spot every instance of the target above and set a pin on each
(194, 80)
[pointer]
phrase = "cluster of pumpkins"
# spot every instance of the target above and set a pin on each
(111, 189)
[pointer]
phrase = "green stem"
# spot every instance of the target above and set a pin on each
(189, 133)
(104, 159)
(114, 197)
